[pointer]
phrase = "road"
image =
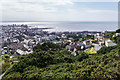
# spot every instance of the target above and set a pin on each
(1, 70)
(1, 76)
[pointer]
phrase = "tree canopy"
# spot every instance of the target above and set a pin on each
(118, 31)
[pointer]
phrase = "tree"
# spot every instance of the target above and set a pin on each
(47, 46)
(104, 50)
(82, 56)
(118, 31)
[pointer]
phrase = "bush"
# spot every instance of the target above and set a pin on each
(118, 31)
(104, 50)
(47, 46)
(5, 66)
(82, 56)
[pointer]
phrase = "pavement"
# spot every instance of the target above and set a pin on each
(1, 76)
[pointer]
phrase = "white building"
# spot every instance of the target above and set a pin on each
(109, 43)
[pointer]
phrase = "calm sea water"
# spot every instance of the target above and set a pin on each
(71, 26)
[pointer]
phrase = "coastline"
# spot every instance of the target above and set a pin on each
(71, 26)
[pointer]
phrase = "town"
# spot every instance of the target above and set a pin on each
(21, 39)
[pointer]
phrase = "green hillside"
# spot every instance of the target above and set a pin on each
(54, 63)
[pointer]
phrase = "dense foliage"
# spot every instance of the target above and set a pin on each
(47, 46)
(116, 39)
(47, 64)
(118, 31)
(103, 50)
(81, 56)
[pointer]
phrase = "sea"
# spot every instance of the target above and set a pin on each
(71, 26)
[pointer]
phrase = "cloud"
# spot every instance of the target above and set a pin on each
(34, 5)
(95, 0)
(100, 11)
(52, 10)
(56, 2)
(53, 2)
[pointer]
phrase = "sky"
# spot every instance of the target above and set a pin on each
(59, 10)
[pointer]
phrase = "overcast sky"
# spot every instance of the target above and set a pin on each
(59, 10)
